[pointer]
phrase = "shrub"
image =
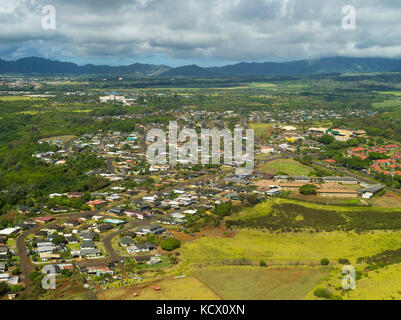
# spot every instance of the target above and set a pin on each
(324, 262)
(322, 293)
(343, 261)
(170, 244)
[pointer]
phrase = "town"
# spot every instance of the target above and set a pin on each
(112, 223)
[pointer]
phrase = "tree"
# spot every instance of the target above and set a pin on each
(262, 264)
(322, 293)
(58, 239)
(4, 288)
(326, 139)
(223, 209)
(324, 262)
(308, 189)
(170, 244)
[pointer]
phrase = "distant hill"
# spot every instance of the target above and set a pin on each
(45, 66)
(301, 67)
(342, 65)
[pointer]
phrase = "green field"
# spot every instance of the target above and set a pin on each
(262, 129)
(287, 166)
(19, 98)
(387, 104)
(172, 289)
(290, 247)
(255, 283)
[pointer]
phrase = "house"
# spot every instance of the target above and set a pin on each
(113, 197)
(26, 225)
(9, 232)
(166, 221)
(45, 248)
(126, 242)
(44, 219)
(152, 229)
(46, 256)
(59, 210)
(88, 244)
(99, 270)
(71, 239)
(142, 247)
(89, 252)
(273, 192)
(72, 223)
(370, 191)
(103, 228)
(3, 267)
(87, 235)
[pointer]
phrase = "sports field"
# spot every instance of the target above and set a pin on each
(287, 166)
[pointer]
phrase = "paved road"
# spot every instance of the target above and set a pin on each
(114, 256)
(26, 263)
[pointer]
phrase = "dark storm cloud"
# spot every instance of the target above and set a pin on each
(203, 29)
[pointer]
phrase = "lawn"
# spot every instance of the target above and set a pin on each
(255, 283)
(287, 166)
(171, 289)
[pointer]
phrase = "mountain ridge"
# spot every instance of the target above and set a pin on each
(37, 65)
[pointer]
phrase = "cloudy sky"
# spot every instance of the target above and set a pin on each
(205, 32)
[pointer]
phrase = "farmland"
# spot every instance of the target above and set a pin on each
(256, 283)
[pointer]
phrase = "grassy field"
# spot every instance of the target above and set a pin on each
(19, 98)
(255, 283)
(171, 289)
(289, 247)
(382, 284)
(288, 166)
(387, 104)
(394, 93)
(262, 129)
(289, 215)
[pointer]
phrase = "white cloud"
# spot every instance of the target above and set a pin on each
(256, 30)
